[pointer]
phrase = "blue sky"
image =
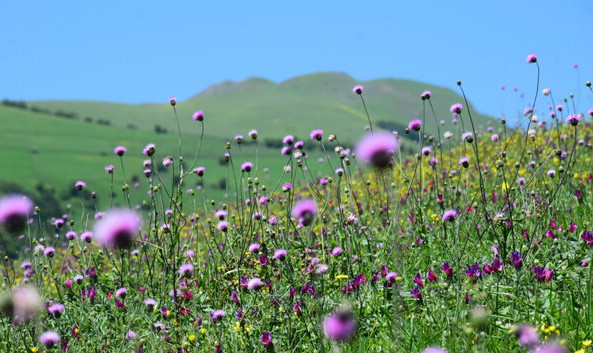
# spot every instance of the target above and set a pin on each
(146, 51)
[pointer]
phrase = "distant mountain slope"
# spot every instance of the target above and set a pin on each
(296, 106)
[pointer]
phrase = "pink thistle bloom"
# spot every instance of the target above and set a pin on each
(109, 169)
(14, 211)
(79, 185)
(200, 171)
(464, 161)
(415, 125)
(425, 95)
(254, 284)
(120, 150)
(426, 151)
(377, 149)
(288, 140)
(573, 119)
(220, 214)
(494, 138)
(305, 211)
(254, 247)
(167, 161)
(49, 338)
(280, 254)
(528, 336)
(299, 145)
(340, 326)
(239, 139)
(531, 58)
(449, 215)
(252, 134)
(121, 293)
(71, 235)
(117, 229)
(357, 89)
(149, 150)
(186, 269)
(551, 173)
(337, 251)
(56, 309)
(317, 135)
(198, 116)
(456, 108)
(217, 315)
(246, 167)
(86, 237)
(131, 335)
(223, 226)
(49, 251)
(286, 150)
(173, 101)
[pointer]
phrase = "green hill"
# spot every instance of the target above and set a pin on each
(48, 145)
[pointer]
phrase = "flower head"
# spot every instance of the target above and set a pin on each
(120, 150)
(340, 326)
(377, 149)
(266, 339)
(305, 211)
(198, 116)
(254, 283)
(531, 58)
(317, 135)
(117, 228)
(357, 89)
(14, 211)
(449, 215)
(456, 108)
(246, 167)
(414, 125)
(49, 338)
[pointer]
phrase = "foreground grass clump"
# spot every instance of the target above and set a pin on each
(480, 242)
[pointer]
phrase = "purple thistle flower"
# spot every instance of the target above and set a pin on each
(414, 125)
(217, 315)
(377, 149)
(305, 211)
(288, 140)
(573, 119)
(317, 135)
(464, 161)
(339, 326)
(198, 116)
(337, 251)
(120, 150)
(117, 229)
(551, 173)
(528, 336)
(49, 251)
(433, 350)
(449, 215)
(79, 185)
(86, 237)
(425, 95)
(71, 235)
(357, 89)
(56, 309)
(121, 293)
(280, 254)
(531, 58)
(253, 248)
(456, 108)
(254, 284)
(49, 338)
(186, 270)
(109, 169)
(246, 167)
(550, 348)
(223, 226)
(14, 211)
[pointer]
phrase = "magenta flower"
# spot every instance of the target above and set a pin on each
(357, 89)
(528, 336)
(446, 269)
(449, 215)
(288, 140)
(14, 212)
(49, 338)
(573, 119)
(280, 254)
(246, 167)
(551, 173)
(415, 292)
(317, 135)
(266, 339)
(425, 95)
(456, 108)
(223, 226)
(217, 315)
(56, 309)
(531, 58)
(433, 350)
(120, 150)
(431, 276)
(414, 125)
(516, 259)
(109, 169)
(49, 251)
(173, 101)
(198, 116)
(339, 326)
(377, 149)
(117, 229)
(252, 134)
(305, 211)
(186, 270)
(79, 185)
(464, 161)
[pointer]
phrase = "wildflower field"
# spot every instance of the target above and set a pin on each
(479, 241)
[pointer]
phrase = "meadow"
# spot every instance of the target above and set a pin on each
(479, 240)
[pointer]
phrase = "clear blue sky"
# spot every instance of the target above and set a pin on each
(146, 51)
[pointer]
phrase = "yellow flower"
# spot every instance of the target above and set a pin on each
(192, 338)
(34, 349)
(203, 331)
(582, 350)
(341, 276)
(587, 343)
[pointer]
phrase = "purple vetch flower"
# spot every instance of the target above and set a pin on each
(473, 271)
(446, 269)
(431, 276)
(414, 125)
(280, 254)
(117, 229)
(377, 149)
(266, 339)
(449, 215)
(340, 326)
(14, 211)
(254, 284)
(418, 280)
(357, 89)
(49, 339)
(120, 150)
(516, 259)
(305, 211)
(587, 237)
(415, 292)
(246, 166)
(317, 135)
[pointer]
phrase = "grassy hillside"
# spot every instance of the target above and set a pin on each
(322, 100)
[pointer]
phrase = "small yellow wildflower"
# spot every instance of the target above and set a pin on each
(34, 349)
(587, 343)
(192, 338)
(341, 277)
(203, 331)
